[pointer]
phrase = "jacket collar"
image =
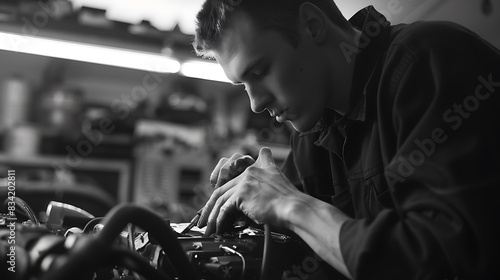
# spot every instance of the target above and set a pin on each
(374, 27)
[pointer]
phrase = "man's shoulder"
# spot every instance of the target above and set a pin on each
(428, 35)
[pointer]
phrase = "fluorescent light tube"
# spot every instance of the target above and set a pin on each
(88, 53)
(204, 70)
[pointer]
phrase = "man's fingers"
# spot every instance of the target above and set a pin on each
(213, 218)
(265, 158)
(215, 173)
(223, 179)
(242, 163)
(226, 170)
(221, 170)
(232, 168)
(228, 213)
(229, 170)
(211, 203)
(207, 209)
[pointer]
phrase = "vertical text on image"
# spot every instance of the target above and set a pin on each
(11, 220)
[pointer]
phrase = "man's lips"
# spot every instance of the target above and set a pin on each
(281, 115)
(275, 113)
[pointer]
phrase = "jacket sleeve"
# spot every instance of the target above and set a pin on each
(441, 122)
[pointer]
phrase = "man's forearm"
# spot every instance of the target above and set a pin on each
(318, 224)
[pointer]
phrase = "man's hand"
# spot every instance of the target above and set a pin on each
(228, 168)
(260, 192)
(224, 171)
(265, 195)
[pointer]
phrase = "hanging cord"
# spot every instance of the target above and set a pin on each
(91, 224)
(131, 244)
(243, 262)
(130, 237)
(264, 269)
(26, 209)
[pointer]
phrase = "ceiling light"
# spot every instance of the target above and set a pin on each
(204, 70)
(145, 61)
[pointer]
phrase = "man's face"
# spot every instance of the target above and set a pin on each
(290, 82)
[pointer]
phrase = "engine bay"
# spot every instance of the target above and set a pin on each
(133, 242)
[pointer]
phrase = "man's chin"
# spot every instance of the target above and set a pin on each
(301, 127)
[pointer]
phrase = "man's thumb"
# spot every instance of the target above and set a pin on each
(265, 158)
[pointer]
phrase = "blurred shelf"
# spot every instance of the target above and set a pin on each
(120, 168)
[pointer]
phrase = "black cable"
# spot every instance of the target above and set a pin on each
(91, 224)
(264, 269)
(149, 221)
(243, 262)
(89, 252)
(84, 254)
(42, 254)
(131, 244)
(130, 237)
(28, 210)
(25, 207)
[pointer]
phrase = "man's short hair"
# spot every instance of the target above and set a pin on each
(278, 15)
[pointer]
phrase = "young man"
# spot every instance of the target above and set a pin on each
(396, 154)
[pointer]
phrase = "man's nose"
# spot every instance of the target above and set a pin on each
(259, 99)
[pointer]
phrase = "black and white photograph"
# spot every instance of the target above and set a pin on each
(249, 139)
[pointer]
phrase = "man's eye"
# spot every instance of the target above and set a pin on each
(260, 72)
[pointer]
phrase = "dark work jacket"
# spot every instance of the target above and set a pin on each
(416, 161)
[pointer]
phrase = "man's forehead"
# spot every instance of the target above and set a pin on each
(235, 43)
(231, 61)
(236, 35)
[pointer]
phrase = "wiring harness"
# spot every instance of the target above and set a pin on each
(133, 242)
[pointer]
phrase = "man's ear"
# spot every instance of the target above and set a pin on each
(314, 20)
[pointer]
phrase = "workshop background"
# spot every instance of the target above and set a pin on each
(104, 102)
